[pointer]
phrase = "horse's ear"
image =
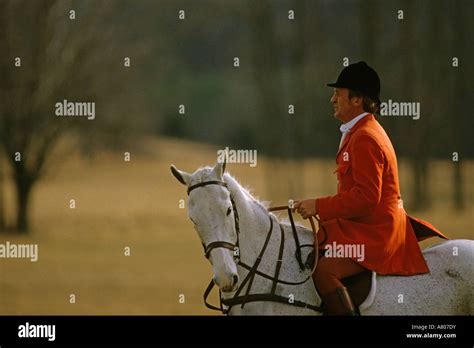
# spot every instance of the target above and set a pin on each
(182, 177)
(219, 169)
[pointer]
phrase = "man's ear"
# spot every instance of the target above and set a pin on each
(182, 177)
(357, 101)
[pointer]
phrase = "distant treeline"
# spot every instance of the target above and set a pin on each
(238, 73)
(420, 49)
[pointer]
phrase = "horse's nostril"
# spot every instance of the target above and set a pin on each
(236, 280)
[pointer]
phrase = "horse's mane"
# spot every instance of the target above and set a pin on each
(246, 191)
(263, 204)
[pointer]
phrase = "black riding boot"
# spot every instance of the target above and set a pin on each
(339, 303)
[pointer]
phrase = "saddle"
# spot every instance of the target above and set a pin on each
(358, 285)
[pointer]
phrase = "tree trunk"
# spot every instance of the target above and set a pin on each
(23, 185)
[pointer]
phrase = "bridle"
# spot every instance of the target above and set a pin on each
(253, 270)
(221, 244)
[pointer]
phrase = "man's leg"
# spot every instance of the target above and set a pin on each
(327, 277)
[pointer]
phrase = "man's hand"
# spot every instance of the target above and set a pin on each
(305, 208)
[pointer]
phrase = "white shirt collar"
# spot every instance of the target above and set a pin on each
(346, 127)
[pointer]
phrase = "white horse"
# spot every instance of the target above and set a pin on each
(226, 215)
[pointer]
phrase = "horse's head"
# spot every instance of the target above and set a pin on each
(211, 210)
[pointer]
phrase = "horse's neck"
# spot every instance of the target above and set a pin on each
(253, 222)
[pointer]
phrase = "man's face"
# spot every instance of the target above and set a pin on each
(345, 109)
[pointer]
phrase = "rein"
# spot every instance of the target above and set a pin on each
(253, 270)
(295, 235)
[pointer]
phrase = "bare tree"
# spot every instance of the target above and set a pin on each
(56, 50)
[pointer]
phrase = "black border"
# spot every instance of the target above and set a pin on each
(140, 330)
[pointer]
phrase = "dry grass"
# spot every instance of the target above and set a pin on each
(135, 204)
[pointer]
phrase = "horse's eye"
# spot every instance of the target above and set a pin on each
(228, 211)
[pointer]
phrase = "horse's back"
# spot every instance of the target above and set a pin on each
(454, 258)
(446, 290)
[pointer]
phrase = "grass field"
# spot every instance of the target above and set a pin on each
(135, 204)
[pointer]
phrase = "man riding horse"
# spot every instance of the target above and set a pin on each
(367, 209)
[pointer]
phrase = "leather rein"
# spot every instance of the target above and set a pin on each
(242, 299)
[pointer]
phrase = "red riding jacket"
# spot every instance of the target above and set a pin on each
(368, 209)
